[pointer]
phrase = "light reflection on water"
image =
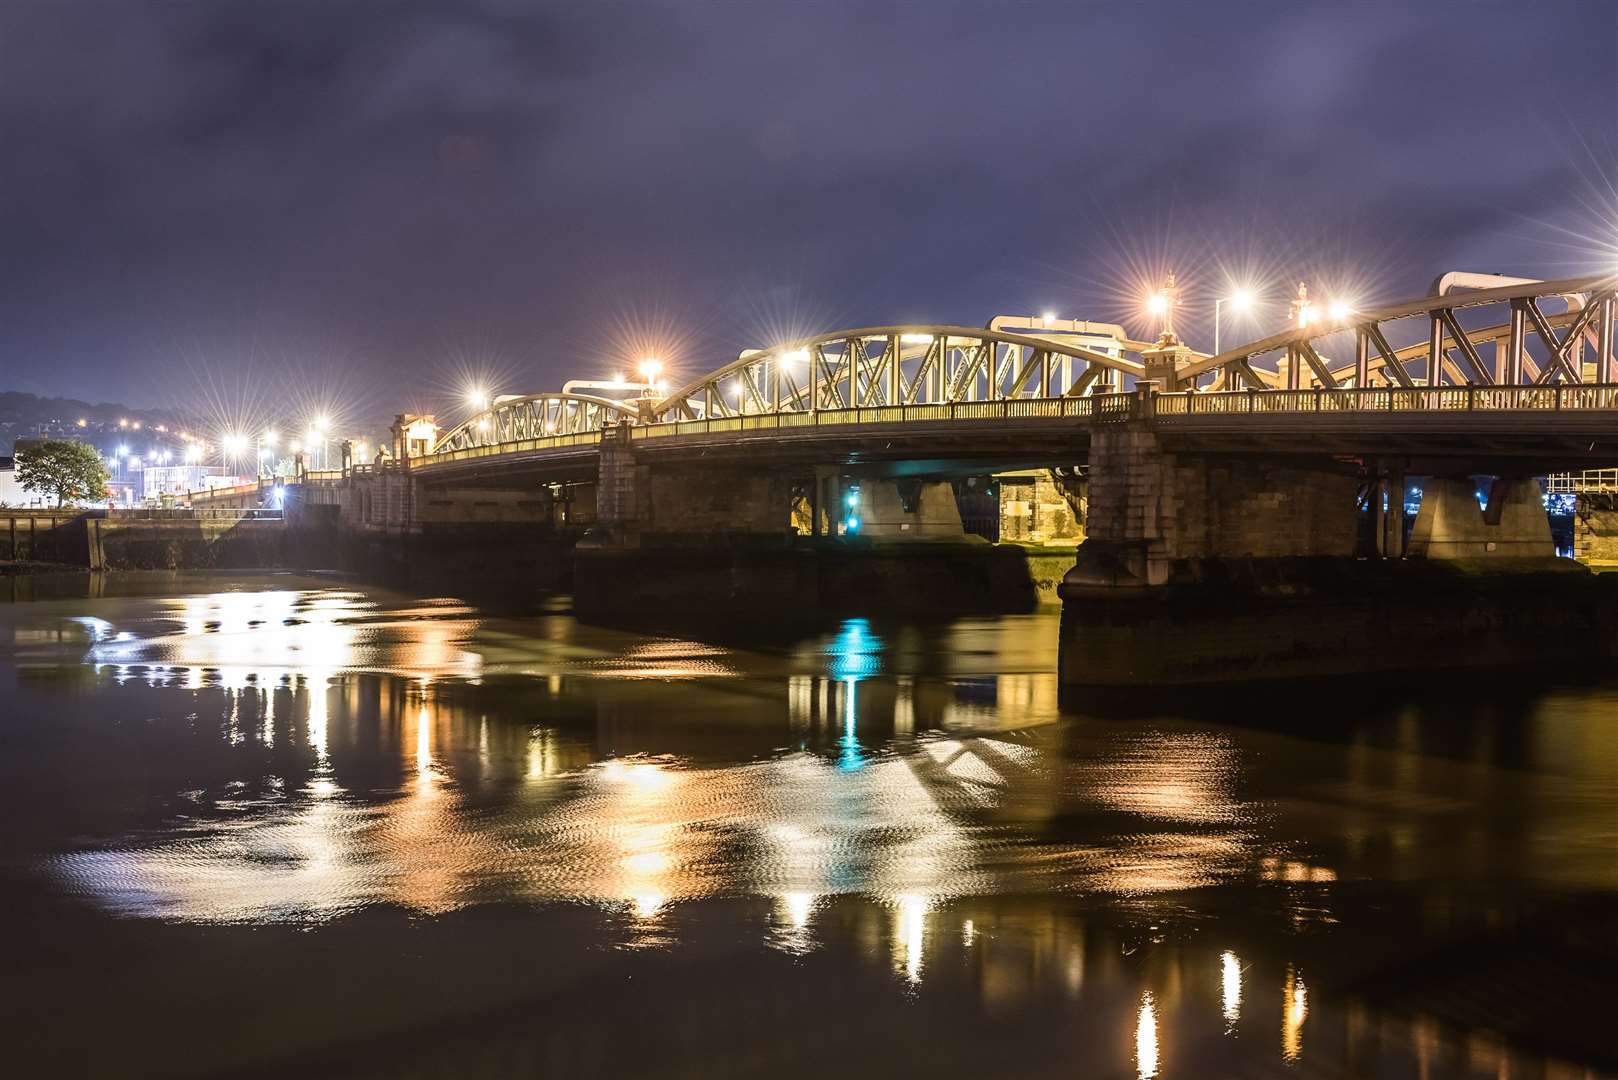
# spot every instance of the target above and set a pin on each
(334, 753)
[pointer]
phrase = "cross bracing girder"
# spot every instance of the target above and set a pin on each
(534, 416)
(889, 365)
(1588, 322)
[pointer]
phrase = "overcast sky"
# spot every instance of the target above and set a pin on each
(378, 200)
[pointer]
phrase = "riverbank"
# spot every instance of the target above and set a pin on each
(27, 567)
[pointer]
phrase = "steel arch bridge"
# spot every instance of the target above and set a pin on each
(1492, 350)
(535, 416)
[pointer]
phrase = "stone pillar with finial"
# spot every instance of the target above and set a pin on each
(1164, 361)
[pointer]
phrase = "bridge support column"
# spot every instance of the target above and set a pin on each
(618, 480)
(1155, 515)
(1595, 527)
(1388, 511)
(1450, 524)
(913, 509)
(1042, 507)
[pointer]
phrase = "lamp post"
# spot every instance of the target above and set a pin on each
(317, 433)
(1240, 301)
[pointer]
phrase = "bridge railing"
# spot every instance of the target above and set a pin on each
(196, 513)
(516, 446)
(1578, 397)
(1011, 409)
(1110, 408)
(1588, 481)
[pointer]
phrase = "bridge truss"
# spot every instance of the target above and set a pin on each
(1486, 351)
(537, 416)
(1488, 337)
(898, 365)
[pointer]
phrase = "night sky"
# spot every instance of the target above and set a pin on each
(233, 204)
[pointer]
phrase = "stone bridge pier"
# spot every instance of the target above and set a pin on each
(1157, 516)
(687, 536)
(1206, 567)
(642, 499)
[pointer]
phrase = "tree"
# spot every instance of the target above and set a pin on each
(67, 470)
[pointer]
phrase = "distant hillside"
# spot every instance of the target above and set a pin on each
(26, 415)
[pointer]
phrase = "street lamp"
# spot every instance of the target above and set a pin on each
(230, 447)
(1240, 301)
(649, 370)
(477, 399)
(266, 451)
(317, 434)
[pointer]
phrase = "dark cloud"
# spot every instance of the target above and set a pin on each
(414, 189)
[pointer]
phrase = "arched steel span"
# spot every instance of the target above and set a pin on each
(533, 417)
(1447, 351)
(897, 365)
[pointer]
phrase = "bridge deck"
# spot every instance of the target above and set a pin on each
(1552, 427)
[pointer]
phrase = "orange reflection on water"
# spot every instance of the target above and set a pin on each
(1230, 988)
(1146, 1052)
(909, 934)
(1294, 1011)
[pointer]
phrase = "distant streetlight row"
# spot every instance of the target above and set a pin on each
(1303, 312)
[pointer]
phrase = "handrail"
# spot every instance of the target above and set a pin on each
(1589, 481)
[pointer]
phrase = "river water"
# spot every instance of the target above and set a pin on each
(287, 825)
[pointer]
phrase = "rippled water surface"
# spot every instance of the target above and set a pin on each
(288, 825)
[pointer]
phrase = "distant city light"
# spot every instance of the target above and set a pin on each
(83, 422)
(136, 425)
(123, 451)
(123, 422)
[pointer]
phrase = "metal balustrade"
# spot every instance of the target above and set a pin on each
(1590, 481)
(196, 513)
